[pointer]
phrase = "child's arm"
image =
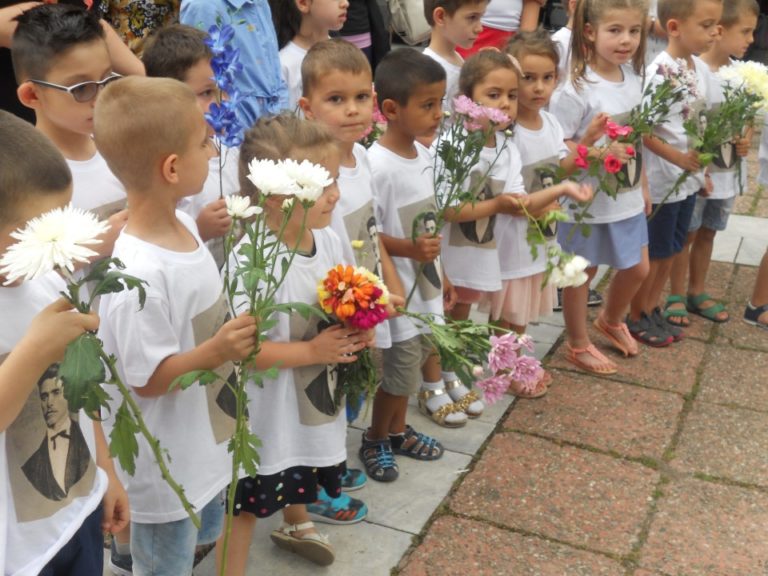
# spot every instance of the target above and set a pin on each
(538, 202)
(391, 281)
(115, 502)
(425, 248)
(8, 21)
(529, 16)
(685, 160)
(335, 345)
(235, 340)
(469, 211)
(594, 132)
(123, 60)
(42, 345)
(213, 220)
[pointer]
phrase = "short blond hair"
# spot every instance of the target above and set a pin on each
(329, 56)
(138, 121)
(677, 10)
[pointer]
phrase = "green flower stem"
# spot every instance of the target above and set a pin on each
(153, 442)
(678, 183)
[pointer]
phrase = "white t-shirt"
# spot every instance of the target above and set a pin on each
(50, 483)
(574, 109)
(724, 168)
(3, 500)
(404, 192)
(562, 40)
(95, 187)
(503, 15)
(662, 174)
(185, 307)
(291, 57)
(452, 73)
(229, 184)
(294, 414)
(354, 218)
(469, 249)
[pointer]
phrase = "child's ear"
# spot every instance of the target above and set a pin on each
(672, 27)
(589, 32)
(389, 108)
(306, 108)
(169, 168)
(439, 16)
(27, 94)
(303, 5)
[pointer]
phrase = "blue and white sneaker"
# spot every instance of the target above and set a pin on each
(342, 510)
(353, 479)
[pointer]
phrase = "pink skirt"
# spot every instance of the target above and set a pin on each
(523, 300)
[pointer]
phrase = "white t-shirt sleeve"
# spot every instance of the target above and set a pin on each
(569, 109)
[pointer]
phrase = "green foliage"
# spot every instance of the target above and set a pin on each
(122, 439)
(82, 372)
(202, 377)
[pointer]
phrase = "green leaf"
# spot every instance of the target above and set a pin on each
(122, 439)
(83, 372)
(203, 377)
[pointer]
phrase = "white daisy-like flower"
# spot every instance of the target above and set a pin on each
(311, 179)
(270, 178)
(55, 240)
(239, 207)
(570, 272)
(287, 204)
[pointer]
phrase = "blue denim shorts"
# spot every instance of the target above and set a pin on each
(712, 214)
(668, 230)
(169, 549)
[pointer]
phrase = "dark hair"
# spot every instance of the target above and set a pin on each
(734, 9)
(172, 50)
(402, 71)
(44, 33)
(534, 43)
(450, 7)
(328, 56)
(287, 19)
(30, 166)
(479, 65)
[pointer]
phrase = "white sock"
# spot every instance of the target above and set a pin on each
(449, 376)
(435, 402)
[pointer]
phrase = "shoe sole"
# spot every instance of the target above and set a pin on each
(117, 571)
(322, 519)
(354, 488)
(756, 324)
(312, 550)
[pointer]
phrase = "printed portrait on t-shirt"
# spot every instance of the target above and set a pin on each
(539, 176)
(420, 217)
(315, 385)
(725, 156)
(49, 461)
(361, 225)
(221, 398)
(478, 233)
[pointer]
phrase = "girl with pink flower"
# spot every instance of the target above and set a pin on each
(606, 83)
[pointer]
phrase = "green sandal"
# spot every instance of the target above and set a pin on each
(693, 304)
(682, 313)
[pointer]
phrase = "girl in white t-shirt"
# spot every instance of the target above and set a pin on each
(300, 25)
(606, 83)
(302, 432)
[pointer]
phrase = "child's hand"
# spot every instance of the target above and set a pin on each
(236, 339)
(55, 326)
(742, 147)
(213, 220)
(117, 222)
(116, 512)
(579, 192)
(395, 301)
(338, 345)
(449, 294)
(595, 130)
(426, 247)
(688, 161)
(513, 204)
(619, 150)
(551, 207)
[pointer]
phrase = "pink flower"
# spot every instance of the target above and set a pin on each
(493, 388)
(496, 116)
(614, 131)
(504, 351)
(631, 151)
(472, 126)
(527, 371)
(464, 105)
(582, 157)
(612, 164)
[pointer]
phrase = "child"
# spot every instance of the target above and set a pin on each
(338, 93)
(710, 214)
(180, 52)
(605, 82)
(756, 311)
(301, 24)
(152, 134)
(502, 20)
(692, 28)
(61, 62)
(562, 39)
(410, 88)
(454, 23)
(303, 446)
(58, 494)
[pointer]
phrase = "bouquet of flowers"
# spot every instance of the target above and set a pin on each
(357, 298)
(377, 128)
(508, 364)
(58, 240)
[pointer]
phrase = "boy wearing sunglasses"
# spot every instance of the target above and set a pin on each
(61, 63)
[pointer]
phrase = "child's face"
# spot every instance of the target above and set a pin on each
(498, 90)
(420, 117)
(83, 63)
(697, 33)
(319, 215)
(192, 164)
(735, 40)
(616, 36)
(538, 82)
(31, 207)
(200, 78)
(342, 101)
(464, 26)
(327, 14)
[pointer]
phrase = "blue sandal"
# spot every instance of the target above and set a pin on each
(416, 445)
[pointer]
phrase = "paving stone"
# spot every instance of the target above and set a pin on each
(761, 209)
(630, 420)
(737, 332)
(724, 442)
(733, 376)
(457, 546)
(565, 493)
(726, 247)
(751, 250)
(743, 204)
(706, 529)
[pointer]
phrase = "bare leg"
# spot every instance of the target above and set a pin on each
(622, 289)
(388, 415)
(239, 543)
(678, 276)
(760, 293)
(663, 268)
(460, 311)
(701, 256)
(641, 300)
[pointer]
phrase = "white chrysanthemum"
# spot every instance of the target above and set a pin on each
(752, 76)
(270, 178)
(56, 239)
(288, 205)
(569, 272)
(311, 179)
(239, 207)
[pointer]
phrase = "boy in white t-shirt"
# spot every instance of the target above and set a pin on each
(58, 488)
(453, 23)
(562, 40)
(61, 61)
(152, 133)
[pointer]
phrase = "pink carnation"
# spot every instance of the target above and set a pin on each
(527, 371)
(504, 352)
(493, 388)
(614, 131)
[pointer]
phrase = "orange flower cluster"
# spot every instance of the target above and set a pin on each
(355, 296)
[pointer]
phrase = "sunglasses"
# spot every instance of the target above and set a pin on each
(83, 91)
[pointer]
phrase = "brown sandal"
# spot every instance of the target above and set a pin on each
(572, 355)
(612, 331)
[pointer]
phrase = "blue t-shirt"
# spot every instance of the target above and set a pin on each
(260, 82)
